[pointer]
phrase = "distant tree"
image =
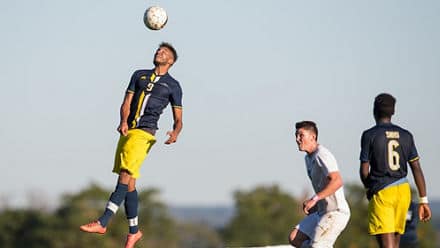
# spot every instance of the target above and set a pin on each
(159, 228)
(197, 235)
(264, 216)
(26, 228)
(427, 235)
(154, 220)
(80, 208)
(37, 229)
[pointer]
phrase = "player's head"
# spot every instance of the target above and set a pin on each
(165, 55)
(306, 136)
(384, 106)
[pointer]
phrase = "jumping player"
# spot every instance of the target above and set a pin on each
(385, 151)
(148, 93)
(327, 211)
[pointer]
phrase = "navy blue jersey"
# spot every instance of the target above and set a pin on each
(152, 93)
(388, 148)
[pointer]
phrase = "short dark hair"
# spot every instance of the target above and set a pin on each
(308, 125)
(384, 104)
(169, 46)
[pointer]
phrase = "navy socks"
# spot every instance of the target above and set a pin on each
(131, 211)
(131, 207)
(113, 204)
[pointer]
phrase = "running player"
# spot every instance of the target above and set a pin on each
(327, 211)
(385, 151)
(148, 93)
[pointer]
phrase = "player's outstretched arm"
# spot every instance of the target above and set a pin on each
(424, 209)
(177, 127)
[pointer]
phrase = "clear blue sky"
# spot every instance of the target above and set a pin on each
(249, 69)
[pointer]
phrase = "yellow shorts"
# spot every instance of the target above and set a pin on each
(387, 209)
(132, 151)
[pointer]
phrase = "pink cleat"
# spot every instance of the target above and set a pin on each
(132, 239)
(93, 227)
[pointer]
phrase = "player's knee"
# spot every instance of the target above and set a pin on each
(296, 243)
(293, 240)
(124, 177)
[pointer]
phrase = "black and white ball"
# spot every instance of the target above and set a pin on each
(155, 18)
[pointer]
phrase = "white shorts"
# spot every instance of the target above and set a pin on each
(323, 230)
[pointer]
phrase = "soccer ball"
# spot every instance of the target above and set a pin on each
(155, 18)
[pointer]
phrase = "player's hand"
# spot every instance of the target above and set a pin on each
(424, 212)
(172, 138)
(308, 206)
(123, 128)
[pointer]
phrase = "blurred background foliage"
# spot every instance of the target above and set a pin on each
(262, 216)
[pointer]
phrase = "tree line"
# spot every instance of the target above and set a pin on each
(263, 216)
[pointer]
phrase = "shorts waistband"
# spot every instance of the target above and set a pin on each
(148, 130)
(398, 182)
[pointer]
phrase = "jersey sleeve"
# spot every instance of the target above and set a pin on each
(328, 161)
(413, 155)
(132, 85)
(176, 97)
(365, 148)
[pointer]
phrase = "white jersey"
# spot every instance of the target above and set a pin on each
(319, 164)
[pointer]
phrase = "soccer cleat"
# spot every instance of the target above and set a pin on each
(93, 227)
(132, 239)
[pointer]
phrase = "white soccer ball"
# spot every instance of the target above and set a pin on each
(155, 17)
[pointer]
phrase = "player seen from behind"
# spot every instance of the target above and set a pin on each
(386, 149)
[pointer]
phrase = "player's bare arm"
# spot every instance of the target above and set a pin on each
(364, 172)
(334, 183)
(124, 112)
(424, 209)
(177, 127)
